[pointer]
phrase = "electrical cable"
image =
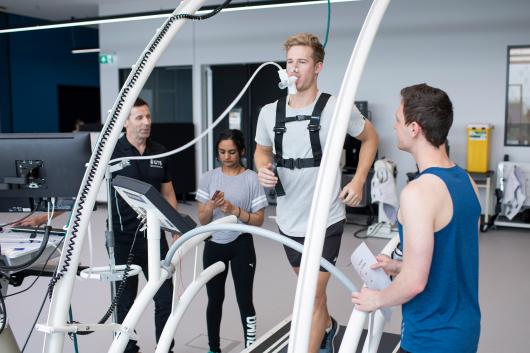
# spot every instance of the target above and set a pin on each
(3, 312)
(34, 322)
(356, 233)
(71, 316)
(328, 24)
(368, 235)
(121, 288)
(34, 258)
(50, 214)
(37, 277)
(107, 129)
(2, 298)
(119, 291)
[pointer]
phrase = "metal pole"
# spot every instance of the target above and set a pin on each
(109, 241)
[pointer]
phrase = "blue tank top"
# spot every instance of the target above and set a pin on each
(445, 317)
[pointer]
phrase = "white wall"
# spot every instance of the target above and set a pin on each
(459, 46)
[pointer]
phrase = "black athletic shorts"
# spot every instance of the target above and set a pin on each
(331, 245)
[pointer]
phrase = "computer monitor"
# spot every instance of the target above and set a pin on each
(38, 166)
(352, 146)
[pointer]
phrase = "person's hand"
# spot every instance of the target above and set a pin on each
(228, 208)
(175, 236)
(366, 300)
(217, 201)
(390, 266)
(32, 221)
(352, 193)
(266, 176)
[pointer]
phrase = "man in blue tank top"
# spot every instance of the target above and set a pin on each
(437, 281)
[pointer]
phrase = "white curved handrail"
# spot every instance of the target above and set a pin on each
(97, 272)
(62, 295)
(243, 228)
(153, 285)
(307, 280)
(164, 343)
(355, 325)
(178, 249)
(390, 246)
(133, 316)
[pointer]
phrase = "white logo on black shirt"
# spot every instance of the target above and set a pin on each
(155, 163)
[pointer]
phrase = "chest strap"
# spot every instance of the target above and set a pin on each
(313, 127)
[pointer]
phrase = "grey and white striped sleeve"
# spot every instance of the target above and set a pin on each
(202, 194)
(259, 200)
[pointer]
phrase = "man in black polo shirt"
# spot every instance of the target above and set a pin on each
(136, 142)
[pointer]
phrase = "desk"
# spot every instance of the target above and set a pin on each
(483, 180)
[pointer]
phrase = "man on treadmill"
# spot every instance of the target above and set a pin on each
(290, 137)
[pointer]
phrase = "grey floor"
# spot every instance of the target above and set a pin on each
(504, 294)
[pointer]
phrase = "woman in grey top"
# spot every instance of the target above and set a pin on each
(231, 189)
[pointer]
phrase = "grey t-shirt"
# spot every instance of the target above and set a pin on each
(292, 211)
(242, 190)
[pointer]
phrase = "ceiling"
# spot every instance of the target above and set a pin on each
(60, 10)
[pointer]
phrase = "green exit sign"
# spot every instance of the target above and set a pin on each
(106, 59)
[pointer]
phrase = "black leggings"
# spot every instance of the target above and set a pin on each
(241, 254)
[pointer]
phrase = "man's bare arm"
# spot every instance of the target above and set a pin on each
(168, 193)
(263, 161)
(418, 212)
(262, 156)
(369, 142)
(352, 193)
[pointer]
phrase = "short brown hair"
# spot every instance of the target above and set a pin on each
(309, 40)
(139, 102)
(430, 108)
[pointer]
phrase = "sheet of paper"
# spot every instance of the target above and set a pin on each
(361, 259)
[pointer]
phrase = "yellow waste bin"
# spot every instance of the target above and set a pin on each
(478, 140)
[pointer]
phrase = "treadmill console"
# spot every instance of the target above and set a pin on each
(142, 196)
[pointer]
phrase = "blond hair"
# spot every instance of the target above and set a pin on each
(309, 40)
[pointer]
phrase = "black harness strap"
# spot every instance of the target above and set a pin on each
(313, 128)
(279, 127)
(279, 130)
